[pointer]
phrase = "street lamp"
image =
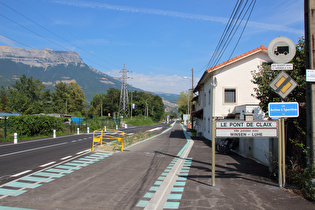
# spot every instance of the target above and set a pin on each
(131, 107)
(192, 90)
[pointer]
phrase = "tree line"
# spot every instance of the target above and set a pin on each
(30, 96)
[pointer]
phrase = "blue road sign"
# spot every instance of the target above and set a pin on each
(285, 109)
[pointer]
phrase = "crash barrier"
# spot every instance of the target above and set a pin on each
(108, 138)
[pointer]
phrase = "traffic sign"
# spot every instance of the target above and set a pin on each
(310, 75)
(283, 84)
(281, 50)
(284, 109)
(282, 66)
(246, 129)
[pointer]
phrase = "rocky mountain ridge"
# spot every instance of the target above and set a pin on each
(52, 67)
(40, 57)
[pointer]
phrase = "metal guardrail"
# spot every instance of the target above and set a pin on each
(101, 137)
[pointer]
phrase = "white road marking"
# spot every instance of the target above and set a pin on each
(47, 164)
(67, 157)
(19, 174)
(87, 150)
(155, 129)
(38, 148)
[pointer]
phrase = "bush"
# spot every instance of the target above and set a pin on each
(32, 125)
(301, 174)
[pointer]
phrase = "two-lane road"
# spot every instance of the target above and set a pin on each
(29, 156)
(24, 157)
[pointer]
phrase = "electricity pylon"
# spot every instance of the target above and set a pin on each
(124, 111)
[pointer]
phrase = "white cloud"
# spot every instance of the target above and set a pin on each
(97, 5)
(156, 82)
(6, 41)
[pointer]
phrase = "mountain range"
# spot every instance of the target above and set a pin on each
(51, 67)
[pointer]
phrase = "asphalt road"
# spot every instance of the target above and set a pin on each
(28, 156)
(115, 181)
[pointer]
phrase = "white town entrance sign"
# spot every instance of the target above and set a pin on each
(246, 129)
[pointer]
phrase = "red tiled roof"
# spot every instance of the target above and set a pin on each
(262, 47)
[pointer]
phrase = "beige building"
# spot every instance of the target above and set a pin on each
(225, 91)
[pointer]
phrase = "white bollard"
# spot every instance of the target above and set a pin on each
(88, 130)
(78, 131)
(54, 135)
(126, 126)
(116, 127)
(15, 138)
(105, 128)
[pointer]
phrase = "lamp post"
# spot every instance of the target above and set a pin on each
(192, 91)
(131, 106)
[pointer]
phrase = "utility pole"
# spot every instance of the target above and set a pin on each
(123, 111)
(192, 96)
(309, 8)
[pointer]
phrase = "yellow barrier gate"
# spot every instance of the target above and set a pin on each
(100, 137)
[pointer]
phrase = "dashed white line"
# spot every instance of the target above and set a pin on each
(87, 150)
(154, 129)
(38, 148)
(19, 174)
(47, 164)
(67, 157)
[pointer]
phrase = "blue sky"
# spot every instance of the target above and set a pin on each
(159, 41)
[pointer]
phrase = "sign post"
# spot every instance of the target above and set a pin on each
(251, 129)
(282, 110)
(213, 154)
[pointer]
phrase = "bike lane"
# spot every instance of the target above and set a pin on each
(241, 183)
(127, 180)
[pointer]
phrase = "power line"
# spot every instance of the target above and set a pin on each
(254, 2)
(53, 33)
(16, 41)
(240, 11)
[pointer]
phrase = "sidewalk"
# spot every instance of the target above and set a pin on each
(240, 184)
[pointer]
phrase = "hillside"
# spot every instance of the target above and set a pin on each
(51, 67)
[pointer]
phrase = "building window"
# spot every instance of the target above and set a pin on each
(209, 97)
(229, 95)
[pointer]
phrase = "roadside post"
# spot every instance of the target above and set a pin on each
(78, 131)
(15, 140)
(281, 111)
(213, 154)
(54, 133)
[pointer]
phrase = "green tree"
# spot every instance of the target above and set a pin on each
(60, 98)
(111, 101)
(68, 99)
(183, 102)
(26, 96)
(105, 103)
(76, 98)
(3, 98)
